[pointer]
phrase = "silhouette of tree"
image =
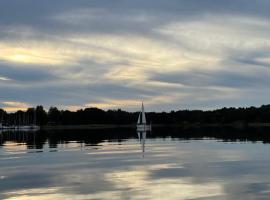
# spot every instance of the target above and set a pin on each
(240, 116)
(41, 116)
(54, 116)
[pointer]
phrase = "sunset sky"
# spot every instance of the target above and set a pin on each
(173, 54)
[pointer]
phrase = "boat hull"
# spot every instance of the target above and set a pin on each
(26, 128)
(23, 128)
(143, 127)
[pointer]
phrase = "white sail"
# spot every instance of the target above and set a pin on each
(139, 119)
(142, 118)
(143, 115)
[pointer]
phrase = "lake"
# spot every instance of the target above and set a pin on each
(109, 164)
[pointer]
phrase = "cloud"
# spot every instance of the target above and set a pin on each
(12, 106)
(2, 78)
(24, 73)
(171, 54)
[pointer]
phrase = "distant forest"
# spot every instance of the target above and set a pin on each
(97, 116)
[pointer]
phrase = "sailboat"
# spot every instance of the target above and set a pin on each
(142, 128)
(141, 123)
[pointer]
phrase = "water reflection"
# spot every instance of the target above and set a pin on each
(54, 138)
(142, 139)
(107, 164)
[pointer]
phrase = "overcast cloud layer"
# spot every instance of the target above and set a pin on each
(173, 54)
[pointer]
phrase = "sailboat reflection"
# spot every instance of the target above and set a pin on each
(142, 138)
(142, 128)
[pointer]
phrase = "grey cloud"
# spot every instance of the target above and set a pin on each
(25, 73)
(119, 15)
(225, 78)
(68, 93)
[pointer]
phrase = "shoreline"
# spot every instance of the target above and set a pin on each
(182, 125)
(85, 127)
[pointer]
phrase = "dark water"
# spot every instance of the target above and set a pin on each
(108, 164)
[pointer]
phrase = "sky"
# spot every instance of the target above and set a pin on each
(172, 54)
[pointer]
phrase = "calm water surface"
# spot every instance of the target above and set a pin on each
(86, 165)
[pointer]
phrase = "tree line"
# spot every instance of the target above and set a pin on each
(54, 116)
